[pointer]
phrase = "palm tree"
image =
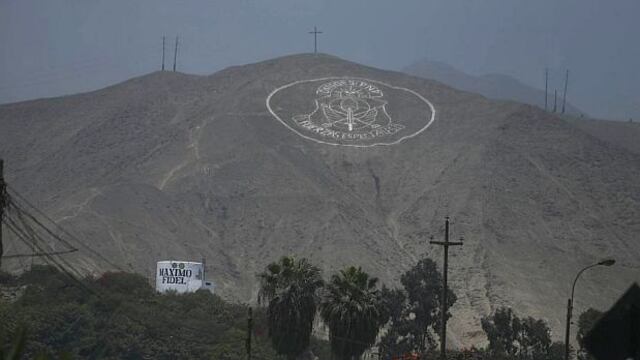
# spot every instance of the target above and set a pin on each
(289, 287)
(353, 311)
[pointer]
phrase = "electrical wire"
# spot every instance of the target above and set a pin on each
(15, 256)
(25, 237)
(64, 231)
(28, 235)
(22, 213)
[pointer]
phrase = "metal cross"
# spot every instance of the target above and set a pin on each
(315, 33)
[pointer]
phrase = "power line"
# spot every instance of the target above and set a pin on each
(17, 222)
(63, 252)
(30, 236)
(34, 240)
(22, 212)
(64, 231)
(67, 269)
(27, 238)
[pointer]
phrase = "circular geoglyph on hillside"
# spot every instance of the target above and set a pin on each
(351, 111)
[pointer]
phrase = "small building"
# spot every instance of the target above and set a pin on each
(181, 277)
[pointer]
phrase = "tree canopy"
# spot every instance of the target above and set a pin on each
(352, 309)
(586, 321)
(120, 316)
(289, 287)
(511, 337)
(415, 310)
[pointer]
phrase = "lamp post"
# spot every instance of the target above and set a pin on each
(606, 262)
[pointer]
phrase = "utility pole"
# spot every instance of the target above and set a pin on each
(566, 84)
(567, 345)
(3, 204)
(204, 273)
(546, 87)
(249, 332)
(555, 100)
(175, 54)
(315, 33)
(163, 38)
(445, 288)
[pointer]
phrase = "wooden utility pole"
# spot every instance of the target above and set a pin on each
(3, 204)
(204, 272)
(546, 88)
(566, 84)
(445, 286)
(315, 33)
(249, 332)
(175, 55)
(163, 38)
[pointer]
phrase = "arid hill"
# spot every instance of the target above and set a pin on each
(174, 166)
(619, 133)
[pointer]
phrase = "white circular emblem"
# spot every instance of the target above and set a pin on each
(351, 111)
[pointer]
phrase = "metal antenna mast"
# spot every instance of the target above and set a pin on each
(566, 84)
(3, 204)
(546, 88)
(315, 33)
(163, 38)
(445, 288)
(249, 331)
(175, 55)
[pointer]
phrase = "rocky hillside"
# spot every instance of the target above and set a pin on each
(345, 164)
(622, 134)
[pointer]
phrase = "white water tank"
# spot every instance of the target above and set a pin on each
(181, 276)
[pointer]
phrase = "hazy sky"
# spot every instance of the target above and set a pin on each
(54, 47)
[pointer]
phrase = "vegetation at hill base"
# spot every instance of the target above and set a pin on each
(289, 287)
(415, 311)
(398, 323)
(353, 310)
(120, 316)
(46, 314)
(511, 337)
(586, 322)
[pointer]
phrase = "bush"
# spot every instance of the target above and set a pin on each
(120, 316)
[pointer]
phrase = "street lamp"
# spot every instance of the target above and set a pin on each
(605, 262)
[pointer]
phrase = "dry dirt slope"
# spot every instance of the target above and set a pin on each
(618, 133)
(172, 166)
